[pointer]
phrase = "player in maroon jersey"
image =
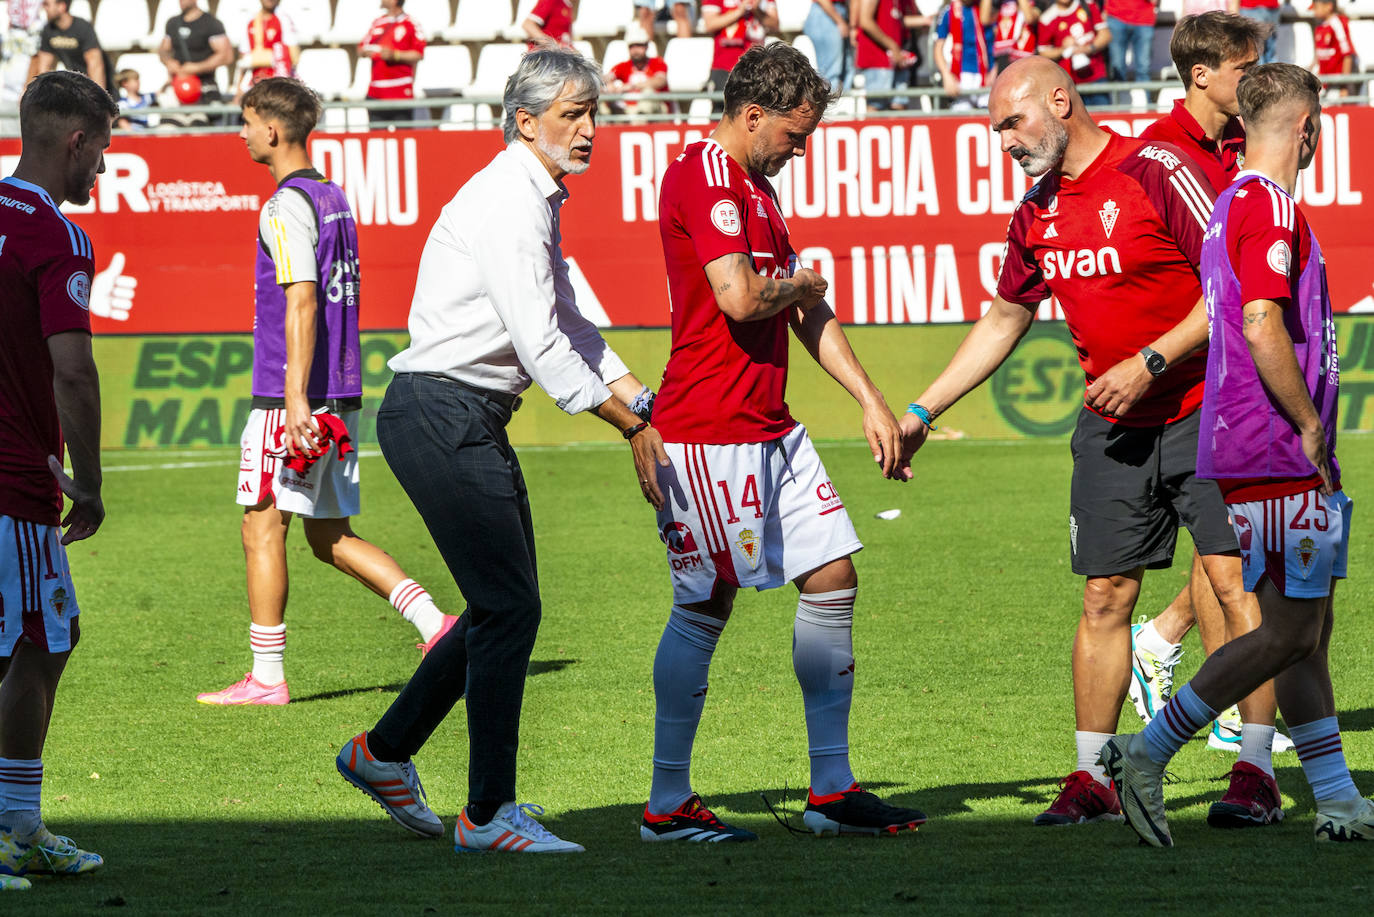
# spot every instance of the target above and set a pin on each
(1113, 230)
(49, 393)
(747, 501)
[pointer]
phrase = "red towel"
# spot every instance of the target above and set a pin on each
(332, 430)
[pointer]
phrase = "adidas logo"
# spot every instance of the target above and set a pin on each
(1052, 232)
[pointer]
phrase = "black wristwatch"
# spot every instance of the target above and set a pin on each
(1154, 361)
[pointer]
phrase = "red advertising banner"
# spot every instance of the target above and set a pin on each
(905, 217)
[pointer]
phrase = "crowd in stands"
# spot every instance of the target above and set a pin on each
(397, 51)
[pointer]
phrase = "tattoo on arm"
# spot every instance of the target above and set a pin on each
(723, 287)
(774, 290)
(1255, 318)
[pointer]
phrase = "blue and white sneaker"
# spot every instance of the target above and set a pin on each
(43, 853)
(1348, 820)
(1152, 677)
(1225, 734)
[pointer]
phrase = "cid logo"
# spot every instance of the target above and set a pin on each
(1039, 389)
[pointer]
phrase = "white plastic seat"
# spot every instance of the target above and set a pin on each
(432, 15)
(345, 119)
(152, 75)
(312, 18)
(806, 46)
(480, 20)
(792, 14)
(1362, 37)
(362, 78)
(584, 47)
(466, 116)
(495, 64)
(352, 18)
(603, 18)
(1304, 45)
(235, 15)
(81, 9)
(699, 112)
(445, 71)
(325, 70)
(1167, 97)
(689, 63)
(122, 24)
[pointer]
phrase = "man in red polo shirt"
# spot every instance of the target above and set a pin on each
(1074, 33)
(549, 23)
(736, 26)
(1335, 51)
(396, 43)
(1211, 51)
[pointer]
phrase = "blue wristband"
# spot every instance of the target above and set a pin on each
(922, 413)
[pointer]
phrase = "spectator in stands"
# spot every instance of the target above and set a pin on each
(1074, 33)
(396, 43)
(967, 29)
(194, 45)
(71, 40)
(1266, 11)
(1014, 32)
(1132, 24)
(640, 74)
(1335, 52)
(683, 13)
(19, 48)
(269, 48)
(131, 99)
(827, 25)
(736, 26)
(549, 24)
(881, 29)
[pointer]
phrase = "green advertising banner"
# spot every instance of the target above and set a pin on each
(190, 391)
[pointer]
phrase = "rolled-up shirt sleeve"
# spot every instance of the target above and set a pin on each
(518, 251)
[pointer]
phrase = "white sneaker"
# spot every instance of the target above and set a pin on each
(1346, 820)
(395, 786)
(1140, 785)
(1152, 677)
(513, 830)
(1225, 734)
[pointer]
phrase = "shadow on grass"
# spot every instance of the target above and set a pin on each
(537, 667)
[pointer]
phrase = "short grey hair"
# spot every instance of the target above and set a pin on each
(539, 80)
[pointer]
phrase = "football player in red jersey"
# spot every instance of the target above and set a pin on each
(1211, 51)
(747, 501)
(1114, 231)
(49, 394)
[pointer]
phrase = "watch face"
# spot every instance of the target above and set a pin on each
(1155, 363)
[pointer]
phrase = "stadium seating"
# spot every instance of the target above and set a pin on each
(465, 116)
(351, 21)
(1302, 49)
(689, 63)
(235, 15)
(81, 9)
(805, 46)
(157, 28)
(495, 64)
(445, 71)
(152, 76)
(480, 20)
(362, 77)
(122, 25)
(618, 52)
(1357, 9)
(312, 18)
(604, 18)
(344, 119)
(1362, 37)
(1167, 98)
(433, 16)
(325, 70)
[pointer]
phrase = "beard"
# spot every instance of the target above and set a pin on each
(563, 158)
(1045, 155)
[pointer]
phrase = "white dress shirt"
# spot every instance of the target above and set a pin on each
(493, 303)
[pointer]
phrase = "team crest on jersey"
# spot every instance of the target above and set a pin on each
(679, 538)
(1109, 213)
(749, 546)
(725, 217)
(1307, 553)
(58, 600)
(1279, 258)
(79, 289)
(1245, 532)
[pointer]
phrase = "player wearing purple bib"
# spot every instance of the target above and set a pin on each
(1268, 437)
(297, 457)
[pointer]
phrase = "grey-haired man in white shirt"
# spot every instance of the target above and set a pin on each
(493, 312)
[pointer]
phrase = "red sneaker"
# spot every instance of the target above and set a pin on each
(1081, 800)
(424, 648)
(1253, 800)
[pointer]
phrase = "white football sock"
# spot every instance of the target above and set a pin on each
(1319, 748)
(417, 607)
(1257, 746)
(823, 659)
(1147, 638)
(21, 788)
(1089, 745)
(681, 666)
(269, 646)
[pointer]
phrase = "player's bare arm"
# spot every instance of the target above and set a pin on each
(301, 431)
(820, 332)
(1271, 347)
(746, 297)
(646, 444)
(76, 390)
(1117, 390)
(989, 342)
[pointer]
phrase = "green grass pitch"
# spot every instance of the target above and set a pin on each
(963, 709)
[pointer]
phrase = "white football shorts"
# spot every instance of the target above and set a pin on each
(754, 514)
(1300, 542)
(329, 489)
(37, 599)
